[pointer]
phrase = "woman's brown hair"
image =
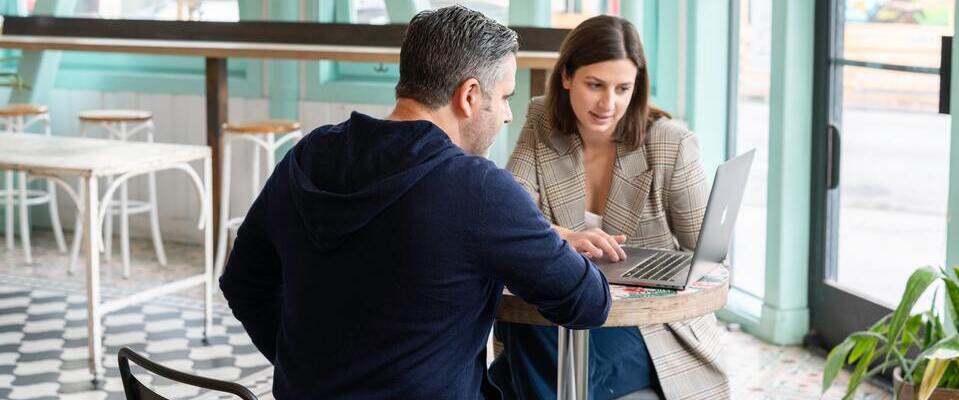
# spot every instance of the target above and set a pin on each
(598, 39)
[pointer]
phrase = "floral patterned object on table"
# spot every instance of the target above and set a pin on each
(716, 277)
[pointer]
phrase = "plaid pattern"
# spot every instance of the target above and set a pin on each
(657, 198)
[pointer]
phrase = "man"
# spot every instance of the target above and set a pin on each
(372, 263)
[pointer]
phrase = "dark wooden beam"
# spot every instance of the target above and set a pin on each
(530, 39)
(216, 111)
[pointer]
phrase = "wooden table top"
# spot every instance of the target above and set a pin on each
(524, 59)
(635, 306)
(73, 156)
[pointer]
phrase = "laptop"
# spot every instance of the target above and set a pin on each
(675, 269)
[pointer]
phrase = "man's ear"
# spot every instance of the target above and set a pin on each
(467, 98)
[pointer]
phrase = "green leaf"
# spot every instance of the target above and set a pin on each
(917, 284)
(858, 374)
(952, 303)
(951, 379)
(910, 333)
(945, 348)
(861, 347)
(835, 361)
(929, 334)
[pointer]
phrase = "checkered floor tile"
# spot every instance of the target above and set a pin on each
(43, 345)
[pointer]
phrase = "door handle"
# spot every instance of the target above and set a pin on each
(834, 151)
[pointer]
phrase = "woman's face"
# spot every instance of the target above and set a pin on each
(599, 94)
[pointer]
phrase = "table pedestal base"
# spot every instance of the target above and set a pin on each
(572, 377)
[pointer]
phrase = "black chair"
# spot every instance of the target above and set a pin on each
(137, 391)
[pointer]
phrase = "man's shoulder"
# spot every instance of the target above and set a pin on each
(472, 173)
(465, 168)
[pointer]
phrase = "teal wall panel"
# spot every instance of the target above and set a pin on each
(707, 54)
(952, 214)
(785, 317)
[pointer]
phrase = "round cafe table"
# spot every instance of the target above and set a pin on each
(632, 306)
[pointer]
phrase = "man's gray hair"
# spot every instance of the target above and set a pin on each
(447, 46)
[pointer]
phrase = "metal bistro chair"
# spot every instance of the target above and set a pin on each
(123, 125)
(135, 390)
(15, 118)
(266, 136)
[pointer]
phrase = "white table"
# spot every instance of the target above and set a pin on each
(91, 159)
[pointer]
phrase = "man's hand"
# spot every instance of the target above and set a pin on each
(595, 244)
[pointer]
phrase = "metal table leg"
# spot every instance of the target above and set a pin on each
(91, 234)
(580, 339)
(208, 230)
(563, 364)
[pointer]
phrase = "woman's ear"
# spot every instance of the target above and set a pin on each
(466, 97)
(567, 80)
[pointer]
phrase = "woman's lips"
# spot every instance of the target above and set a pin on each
(600, 118)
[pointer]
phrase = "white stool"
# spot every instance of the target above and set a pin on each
(15, 118)
(263, 134)
(122, 125)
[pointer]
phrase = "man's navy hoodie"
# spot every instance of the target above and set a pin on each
(371, 264)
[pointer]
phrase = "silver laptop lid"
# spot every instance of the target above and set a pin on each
(725, 199)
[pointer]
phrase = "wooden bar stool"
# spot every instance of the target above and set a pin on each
(266, 136)
(124, 125)
(15, 118)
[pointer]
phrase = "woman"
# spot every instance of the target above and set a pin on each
(607, 168)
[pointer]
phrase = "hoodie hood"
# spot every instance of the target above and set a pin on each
(343, 176)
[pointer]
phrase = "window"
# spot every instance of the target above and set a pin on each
(752, 131)
(184, 10)
(894, 168)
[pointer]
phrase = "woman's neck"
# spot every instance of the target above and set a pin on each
(598, 142)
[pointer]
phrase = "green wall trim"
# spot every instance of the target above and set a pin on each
(777, 326)
(284, 75)
(243, 81)
(323, 80)
(952, 215)
(742, 308)
(634, 11)
(665, 58)
(530, 13)
(707, 83)
(785, 309)
(783, 327)
(358, 91)
(122, 72)
(401, 11)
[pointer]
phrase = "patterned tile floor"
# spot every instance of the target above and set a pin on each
(43, 346)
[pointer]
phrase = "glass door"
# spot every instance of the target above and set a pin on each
(881, 157)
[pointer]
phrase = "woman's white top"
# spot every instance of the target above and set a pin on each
(593, 220)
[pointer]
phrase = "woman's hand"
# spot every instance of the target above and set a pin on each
(595, 244)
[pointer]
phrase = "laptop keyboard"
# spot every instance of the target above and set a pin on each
(659, 267)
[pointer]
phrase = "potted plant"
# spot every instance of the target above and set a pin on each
(922, 348)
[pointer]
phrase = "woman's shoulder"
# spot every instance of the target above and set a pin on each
(668, 131)
(538, 124)
(666, 138)
(536, 112)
